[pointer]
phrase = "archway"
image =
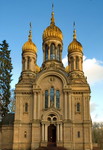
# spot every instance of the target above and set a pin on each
(51, 135)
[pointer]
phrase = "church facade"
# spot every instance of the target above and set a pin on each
(52, 102)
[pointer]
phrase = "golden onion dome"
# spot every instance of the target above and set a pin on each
(52, 31)
(67, 69)
(29, 45)
(75, 45)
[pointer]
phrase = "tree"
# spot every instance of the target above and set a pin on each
(97, 133)
(12, 101)
(5, 77)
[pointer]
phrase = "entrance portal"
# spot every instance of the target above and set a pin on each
(52, 135)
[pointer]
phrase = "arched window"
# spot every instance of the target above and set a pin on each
(26, 107)
(28, 63)
(46, 99)
(52, 51)
(52, 99)
(46, 52)
(78, 107)
(72, 63)
(77, 63)
(57, 99)
(78, 134)
(58, 52)
(25, 134)
(52, 95)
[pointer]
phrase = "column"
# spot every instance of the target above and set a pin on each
(81, 63)
(61, 132)
(25, 63)
(57, 132)
(42, 132)
(55, 98)
(83, 99)
(65, 109)
(34, 110)
(45, 132)
(60, 55)
(30, 63)
(69, 106)
(49, 98)
(74, 63)
(38, 105)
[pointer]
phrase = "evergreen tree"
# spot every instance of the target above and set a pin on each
(5, 77)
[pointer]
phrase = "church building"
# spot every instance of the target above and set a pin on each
(52, 101)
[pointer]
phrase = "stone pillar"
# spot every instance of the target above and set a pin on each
(83, 106)
(61, 132)
(38, 105)
(30, 64)
(57, 132)
(74, 63)
(34, 110)
(65, 109)
(25, 63)
(60, 55)
(81, 61)
(45, 132)
(69, 110)
(42, 132)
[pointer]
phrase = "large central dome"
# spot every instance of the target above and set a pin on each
(52, 31)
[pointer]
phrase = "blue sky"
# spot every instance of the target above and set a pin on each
(15, 16)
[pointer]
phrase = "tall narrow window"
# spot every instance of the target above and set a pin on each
(26, 107)
(77, 63)
(52, 95)
(28, 63)
(78, 134)
(52, 51)
(57, 99)
(46, 52)
(72, 63)
(52, 99)
(46, 99)
(25, 134)
(58, 52)
(78, 107)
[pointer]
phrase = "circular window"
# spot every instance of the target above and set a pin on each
(49, 119)
(54, 119)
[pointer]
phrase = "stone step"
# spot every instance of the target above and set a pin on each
(51, 148)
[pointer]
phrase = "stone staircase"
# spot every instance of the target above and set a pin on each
(51, 148)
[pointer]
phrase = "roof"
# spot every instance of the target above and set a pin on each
(8, 119)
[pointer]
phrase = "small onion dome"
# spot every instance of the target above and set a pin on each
(75, 45)
(29, 45)
(52, 31)
(67, 69)
(37, 68)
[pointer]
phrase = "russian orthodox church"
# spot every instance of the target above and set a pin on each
(52, 102)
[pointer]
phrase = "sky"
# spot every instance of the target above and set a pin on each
(16, 15)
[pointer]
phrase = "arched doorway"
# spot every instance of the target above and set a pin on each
(51, 135)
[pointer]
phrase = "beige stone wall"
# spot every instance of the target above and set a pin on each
(6, 137)
(22, 136)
